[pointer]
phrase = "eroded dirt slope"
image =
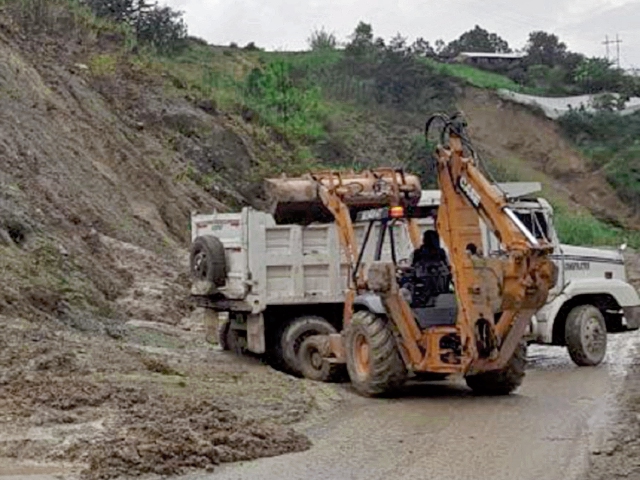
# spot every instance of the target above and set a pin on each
(531, 148)
(98, 366)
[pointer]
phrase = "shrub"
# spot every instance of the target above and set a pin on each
(293, 110)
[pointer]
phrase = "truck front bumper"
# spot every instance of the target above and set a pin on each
(632, 317)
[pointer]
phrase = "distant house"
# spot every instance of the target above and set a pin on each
(489, 60)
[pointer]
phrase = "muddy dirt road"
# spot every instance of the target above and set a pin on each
(547, 430)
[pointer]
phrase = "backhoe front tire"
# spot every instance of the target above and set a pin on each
(374, 363)
(586, 336)
(504, 381)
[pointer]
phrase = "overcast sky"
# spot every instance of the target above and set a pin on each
(286, 24)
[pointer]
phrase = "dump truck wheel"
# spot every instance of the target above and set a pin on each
(501, 382)
(374, 362)
(207, 260)
(313, 363)
(294, 333)
(586, 335)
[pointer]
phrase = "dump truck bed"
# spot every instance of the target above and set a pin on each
(286, 264)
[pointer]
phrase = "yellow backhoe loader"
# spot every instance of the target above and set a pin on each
(461, 312)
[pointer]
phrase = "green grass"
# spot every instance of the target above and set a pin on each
(475, 76)
(612, 143)
(222, 75)
(585, 230)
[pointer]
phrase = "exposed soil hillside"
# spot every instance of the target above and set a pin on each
(530, 147)
(98, 362)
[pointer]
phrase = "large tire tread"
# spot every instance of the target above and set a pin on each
(291, 337)
(329, 371)
(209, 250)
(387, 370)
(574, 339)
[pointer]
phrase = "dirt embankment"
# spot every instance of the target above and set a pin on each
(98, 365)
(532, 148)
(155, 399)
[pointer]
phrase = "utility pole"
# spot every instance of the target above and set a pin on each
(617, 41)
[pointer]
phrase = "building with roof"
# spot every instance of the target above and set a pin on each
(485, 59)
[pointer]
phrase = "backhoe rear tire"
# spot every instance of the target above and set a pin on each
(504, 381)
(374, 363)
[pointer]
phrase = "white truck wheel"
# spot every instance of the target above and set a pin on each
(586, 335)
(294, 334)
(313, 363)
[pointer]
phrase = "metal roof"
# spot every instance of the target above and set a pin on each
(492, 55)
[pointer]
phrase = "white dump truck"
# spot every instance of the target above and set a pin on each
(273, 285)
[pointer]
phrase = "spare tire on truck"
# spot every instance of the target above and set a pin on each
(207, 260)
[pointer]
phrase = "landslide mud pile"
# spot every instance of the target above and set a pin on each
(161, 401)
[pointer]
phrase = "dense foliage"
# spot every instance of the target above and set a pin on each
(612, 142)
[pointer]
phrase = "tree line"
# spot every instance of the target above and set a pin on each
(547, 64)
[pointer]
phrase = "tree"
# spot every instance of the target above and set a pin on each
(321, 40)
(422, 48)
(551, 79)
(545, 49)
(163, 28)
(361, 40)
(477, 40)
(398, 45)
(117, 10)
(596, 75)
(251, 47)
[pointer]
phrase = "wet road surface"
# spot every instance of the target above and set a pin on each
(440, 431)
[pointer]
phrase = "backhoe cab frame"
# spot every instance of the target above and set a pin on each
(496, 297)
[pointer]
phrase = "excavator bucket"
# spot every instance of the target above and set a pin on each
(299, 200)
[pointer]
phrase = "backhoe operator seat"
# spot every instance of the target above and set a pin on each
(431, 272)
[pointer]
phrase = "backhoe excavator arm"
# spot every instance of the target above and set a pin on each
(491, 322)
(496, 297)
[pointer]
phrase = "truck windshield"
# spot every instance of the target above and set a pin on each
(535, 221)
